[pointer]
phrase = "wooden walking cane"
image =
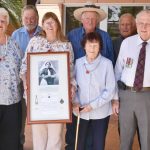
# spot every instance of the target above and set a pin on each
(77, 131)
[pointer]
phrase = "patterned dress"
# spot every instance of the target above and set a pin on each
(9, 73)
(41, 44)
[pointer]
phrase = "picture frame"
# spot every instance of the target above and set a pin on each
(48, 88)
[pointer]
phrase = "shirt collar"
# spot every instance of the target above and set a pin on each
(140, 41)
(94, 62)
(83, 30)
(122, 37)
(38, 29)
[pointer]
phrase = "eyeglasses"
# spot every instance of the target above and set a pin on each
(50, 23)
(141, 24)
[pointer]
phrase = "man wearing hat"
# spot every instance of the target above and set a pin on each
(90, 15)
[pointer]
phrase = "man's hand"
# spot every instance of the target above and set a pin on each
(115, 107)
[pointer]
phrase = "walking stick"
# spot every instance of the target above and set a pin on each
(77, 131)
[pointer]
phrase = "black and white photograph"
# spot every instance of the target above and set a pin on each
(48, 73)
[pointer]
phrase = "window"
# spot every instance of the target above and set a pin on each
(111, 23)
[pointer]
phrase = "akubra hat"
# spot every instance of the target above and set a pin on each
(90, 7)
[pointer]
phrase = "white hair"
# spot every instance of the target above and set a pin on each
(146, 11)
(4, 12)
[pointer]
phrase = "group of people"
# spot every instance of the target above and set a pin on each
(106, 77)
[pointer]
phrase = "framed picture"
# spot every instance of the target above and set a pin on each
(48, 88)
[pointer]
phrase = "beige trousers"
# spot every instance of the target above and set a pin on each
(47, 136)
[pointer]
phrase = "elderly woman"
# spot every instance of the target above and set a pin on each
(10, 62)
(47, 136)
(96, 87)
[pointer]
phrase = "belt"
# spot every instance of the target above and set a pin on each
(132, 89)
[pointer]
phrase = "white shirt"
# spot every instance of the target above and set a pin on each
(127, 61)
(96, 88)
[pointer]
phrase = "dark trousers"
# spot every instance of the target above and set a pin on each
(10, 119)
(23, 118)
(98, 130)
(23, 123)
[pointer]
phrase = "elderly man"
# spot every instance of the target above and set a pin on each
(127, 27)
(30, 27)
(133, 77)
(90, 15)
(22, 36)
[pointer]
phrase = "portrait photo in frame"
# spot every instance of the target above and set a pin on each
(48, 88)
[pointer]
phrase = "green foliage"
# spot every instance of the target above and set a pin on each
(71, 22)
(14, 8)
(130, 9)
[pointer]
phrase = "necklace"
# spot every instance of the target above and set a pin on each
(89, 71)
(51, 41)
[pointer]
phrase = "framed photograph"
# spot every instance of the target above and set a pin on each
(48, 88)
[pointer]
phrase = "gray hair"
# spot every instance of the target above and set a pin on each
(127, 15)
(145, 11)
(30, 7)
(4, 12)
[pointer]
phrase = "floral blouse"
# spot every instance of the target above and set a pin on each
(41, 44)
(9, 73)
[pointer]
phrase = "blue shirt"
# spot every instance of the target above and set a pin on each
(76, 35)
(96, 88)
(22, 37)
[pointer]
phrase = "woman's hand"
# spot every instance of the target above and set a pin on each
(25, 92)
(23, 77)
(86, 108)
(76, 108)
(73, 91)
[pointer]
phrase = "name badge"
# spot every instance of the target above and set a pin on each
(129, 62)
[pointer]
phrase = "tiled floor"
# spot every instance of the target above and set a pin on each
(112, 140)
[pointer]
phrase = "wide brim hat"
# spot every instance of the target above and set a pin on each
(90, 7)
